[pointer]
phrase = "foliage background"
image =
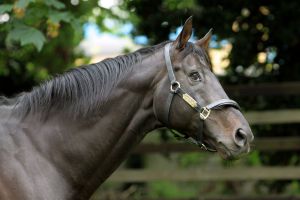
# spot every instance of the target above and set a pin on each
(40, 39)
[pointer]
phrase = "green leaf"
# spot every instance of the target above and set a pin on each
(27, 35)
(56, 4)
(23, 3)
(5, 8)
(75, 23)
(56, 16)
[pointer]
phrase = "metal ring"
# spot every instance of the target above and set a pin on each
(174, 86)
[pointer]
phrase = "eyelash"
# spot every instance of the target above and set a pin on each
(195, 76)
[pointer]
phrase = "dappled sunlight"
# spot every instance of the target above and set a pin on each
(219, 59)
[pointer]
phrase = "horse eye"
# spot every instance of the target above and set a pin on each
(195, 76)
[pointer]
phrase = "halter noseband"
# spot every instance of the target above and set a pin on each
(204, 112)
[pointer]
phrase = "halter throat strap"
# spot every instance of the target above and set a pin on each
(204, 112)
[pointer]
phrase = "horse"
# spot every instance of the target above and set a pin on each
(64, 138)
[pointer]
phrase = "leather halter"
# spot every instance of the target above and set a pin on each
(204, 112)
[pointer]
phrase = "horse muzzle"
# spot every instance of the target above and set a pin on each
(236, 147)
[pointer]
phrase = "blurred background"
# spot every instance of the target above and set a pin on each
(255, 54)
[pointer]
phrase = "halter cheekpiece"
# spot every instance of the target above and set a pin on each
(204, 112)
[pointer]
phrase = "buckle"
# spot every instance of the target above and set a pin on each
(204, 113)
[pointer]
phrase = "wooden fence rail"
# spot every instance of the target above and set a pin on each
(262, 144)
(269, 197)
(273, 116)
(207, 174)
(265, 89)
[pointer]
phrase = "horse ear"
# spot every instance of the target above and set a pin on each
(185, 34)
(204, 42)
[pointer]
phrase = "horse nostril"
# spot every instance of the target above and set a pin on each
(240, 137)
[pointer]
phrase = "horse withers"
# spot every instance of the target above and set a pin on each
(65, 137)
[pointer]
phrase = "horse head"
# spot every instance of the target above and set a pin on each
(195, 104)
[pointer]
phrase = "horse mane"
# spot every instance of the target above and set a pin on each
(80, 91)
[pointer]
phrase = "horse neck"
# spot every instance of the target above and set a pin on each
(87, 152)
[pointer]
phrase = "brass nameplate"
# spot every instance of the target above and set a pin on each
(189, 100)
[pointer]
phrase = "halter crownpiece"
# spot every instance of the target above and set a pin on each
(204, 112)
